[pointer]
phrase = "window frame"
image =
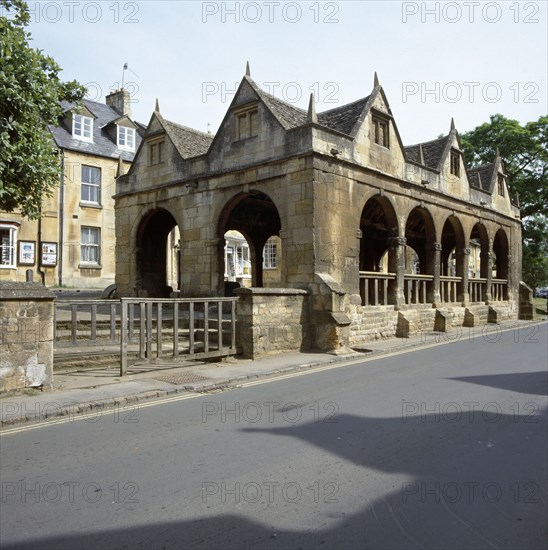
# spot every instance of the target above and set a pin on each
(156, 152)
(127, 131)
(88, 246)
(500, 185)
(11, 255)
(82, 135)
(378, 120)
(454, 163)
(90, 185)
(249, 115)
(270, 255)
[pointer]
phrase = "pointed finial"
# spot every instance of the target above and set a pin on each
(157, 107)
(311, 116)
(120, 170)
(497, 153)
(375, 80)
(517, 199)
(247, 69)
(452, 124)
(421, 154)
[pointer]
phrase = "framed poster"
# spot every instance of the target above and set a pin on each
(27, 252)
(49, 254)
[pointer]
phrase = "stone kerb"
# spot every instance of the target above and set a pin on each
(26, 336)
(272, 320)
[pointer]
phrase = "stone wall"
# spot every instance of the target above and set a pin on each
(272, 320)
(26, 336)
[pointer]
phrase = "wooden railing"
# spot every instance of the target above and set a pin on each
(180, 328)
(374, 287)
(86, 322)
(416, 288)
(196, 328)
(477, 288)
(499, 289)
(449, 288)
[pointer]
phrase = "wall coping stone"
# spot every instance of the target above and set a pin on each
(271, 291)
(10, 291)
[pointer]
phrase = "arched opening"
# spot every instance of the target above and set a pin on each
(452, 260)
(501, 249)
(237, 260)
(157, 254)
(420, 235)
(479, 252)
(378, 225)
(256, 218)
(478, 263)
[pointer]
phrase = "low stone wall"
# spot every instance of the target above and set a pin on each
(26, 336)
(272, 320)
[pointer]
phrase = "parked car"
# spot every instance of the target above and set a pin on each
(542, 293)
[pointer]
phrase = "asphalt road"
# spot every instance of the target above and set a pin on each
(438, 448)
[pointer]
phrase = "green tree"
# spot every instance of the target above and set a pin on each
(30, 92)
(524, 150)
(535, 251)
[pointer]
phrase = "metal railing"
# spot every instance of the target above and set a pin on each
(449, 288)
(374, 287)
(416, 288)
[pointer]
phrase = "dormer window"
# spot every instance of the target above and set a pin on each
(381, 129)
(126, 138)
(82, 127)
(501, 185)
(455, 163)
(247, 123)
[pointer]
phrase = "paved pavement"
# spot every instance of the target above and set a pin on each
(91, 390)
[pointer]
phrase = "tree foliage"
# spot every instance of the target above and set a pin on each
(30, 92)
(524, 150)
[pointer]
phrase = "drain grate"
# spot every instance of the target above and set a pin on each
(181, 378)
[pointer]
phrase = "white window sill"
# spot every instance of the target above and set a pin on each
(86, 204)
(90, 266)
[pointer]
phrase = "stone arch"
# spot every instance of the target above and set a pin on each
(151, 240)
(256, 217)
(420, 235)
(501, 250)
(479, 251)
(452, 245)
(378, 224)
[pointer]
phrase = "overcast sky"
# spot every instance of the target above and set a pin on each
(435, 60)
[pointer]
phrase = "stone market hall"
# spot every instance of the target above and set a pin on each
(375, 238)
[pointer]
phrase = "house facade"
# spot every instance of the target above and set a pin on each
(73, 244)
(375, 238)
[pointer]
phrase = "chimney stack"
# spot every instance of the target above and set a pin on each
(120, 101)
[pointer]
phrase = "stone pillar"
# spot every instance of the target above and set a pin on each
(489, 261)
(396, 264)
(433, 267)
(512, 283)
(463, 260)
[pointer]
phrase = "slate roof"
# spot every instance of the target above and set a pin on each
(432, 151)
(189, 142)
(102, 144)
(485, 172)
(288, 115)
(343, 118)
